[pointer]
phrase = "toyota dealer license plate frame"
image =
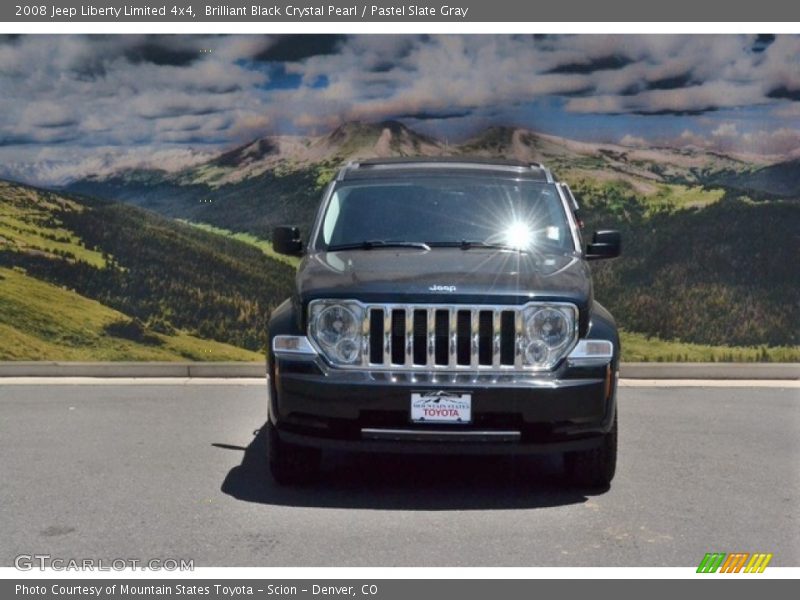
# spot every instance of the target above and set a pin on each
(439, 407)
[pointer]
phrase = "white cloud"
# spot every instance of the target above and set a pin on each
(132, 92)
(51, 166)
(725, 130)
(633, 140)
(779, 144)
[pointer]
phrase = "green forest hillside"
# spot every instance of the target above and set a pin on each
(725, 273)
(710, 241)
(99, 275)
(709, 268)
(42, 321)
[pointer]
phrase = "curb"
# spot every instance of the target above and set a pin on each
(643, 370)
(775, 371)
(132, 369)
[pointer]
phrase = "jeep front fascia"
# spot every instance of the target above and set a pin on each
(446, 307)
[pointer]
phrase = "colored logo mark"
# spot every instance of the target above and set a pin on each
(735, 562)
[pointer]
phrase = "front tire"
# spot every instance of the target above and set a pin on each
(290, 464)
(594, 468)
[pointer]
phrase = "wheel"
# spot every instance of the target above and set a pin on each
(290, 464)
(594, 468)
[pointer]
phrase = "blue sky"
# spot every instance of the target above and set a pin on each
(75, 105)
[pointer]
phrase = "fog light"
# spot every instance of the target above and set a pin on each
(536, 352)
(347, 351)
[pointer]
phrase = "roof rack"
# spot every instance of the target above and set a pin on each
(423, 163)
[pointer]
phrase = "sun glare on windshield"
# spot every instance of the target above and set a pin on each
(518, 235)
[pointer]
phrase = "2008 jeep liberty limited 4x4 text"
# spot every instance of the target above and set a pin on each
(444, 306)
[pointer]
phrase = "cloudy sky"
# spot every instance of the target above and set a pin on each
(73, 105)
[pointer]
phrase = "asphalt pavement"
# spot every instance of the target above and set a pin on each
(177, 470)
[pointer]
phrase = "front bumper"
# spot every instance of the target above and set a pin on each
(512, 413)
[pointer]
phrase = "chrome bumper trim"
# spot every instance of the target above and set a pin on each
(418, 435)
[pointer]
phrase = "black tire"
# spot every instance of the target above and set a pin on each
(290, 464)
(594, 468)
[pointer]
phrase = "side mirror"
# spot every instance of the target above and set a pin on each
(286, 240)
(605, 244)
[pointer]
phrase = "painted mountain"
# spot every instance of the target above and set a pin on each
(711, 240)
(88, 279)
(278, 179)
(87, 273)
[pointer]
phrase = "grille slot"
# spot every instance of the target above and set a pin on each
(376, 336)
(420, 339)
(442, 337)
(398, 336)
(450, 337)
(485, 337)
(463, 335)
(507, 337)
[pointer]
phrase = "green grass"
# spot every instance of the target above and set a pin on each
(637, 347)
(27, 225)
(41, 321)
(208, 174)
(617, 194)
(264, 245)
(674, 197)
(325, 172)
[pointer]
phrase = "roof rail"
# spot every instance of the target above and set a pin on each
(352, 164)
(443, 162)
(547, 173)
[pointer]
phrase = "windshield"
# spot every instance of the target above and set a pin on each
(464, 211)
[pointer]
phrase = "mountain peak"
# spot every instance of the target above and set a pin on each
(358, 126)
(351, 129)
(357, 139)
(252, 151)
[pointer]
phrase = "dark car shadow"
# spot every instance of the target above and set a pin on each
(407, 482)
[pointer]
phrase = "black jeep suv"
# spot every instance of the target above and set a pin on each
(444, 306)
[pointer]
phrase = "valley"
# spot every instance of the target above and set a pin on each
(710, 240)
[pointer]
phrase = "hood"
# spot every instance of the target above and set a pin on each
(446, 275)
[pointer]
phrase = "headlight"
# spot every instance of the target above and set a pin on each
(336, 327)
(550, 325)
(550, 332)
(336, 324)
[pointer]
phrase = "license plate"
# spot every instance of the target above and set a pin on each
(441, 407)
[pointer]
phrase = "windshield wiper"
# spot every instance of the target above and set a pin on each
(369, 244)
(467, 244)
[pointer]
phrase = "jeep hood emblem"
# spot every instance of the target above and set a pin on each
(442, 288)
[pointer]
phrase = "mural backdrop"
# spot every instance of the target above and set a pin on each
(142, 175)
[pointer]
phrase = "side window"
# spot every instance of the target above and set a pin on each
(550, 215)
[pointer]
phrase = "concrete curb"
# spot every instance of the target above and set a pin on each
(778, 371)
(710, 370)
(132, 369)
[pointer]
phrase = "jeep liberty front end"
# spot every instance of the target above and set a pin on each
(444, 306)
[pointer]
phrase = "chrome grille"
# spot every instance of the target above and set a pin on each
(450, 337)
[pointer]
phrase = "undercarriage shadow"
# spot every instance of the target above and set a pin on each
(407, 482)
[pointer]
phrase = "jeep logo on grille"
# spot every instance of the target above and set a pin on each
(442, 288)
